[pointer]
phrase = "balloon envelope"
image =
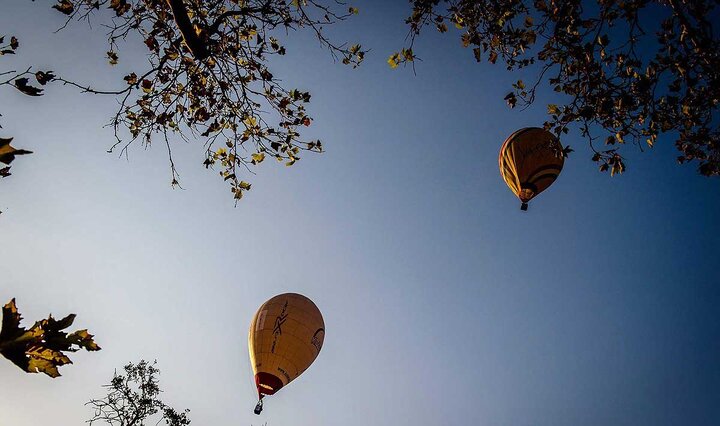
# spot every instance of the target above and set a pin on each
(530, 160)
(285, 337)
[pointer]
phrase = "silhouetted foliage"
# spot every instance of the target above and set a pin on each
(20, 81)
(209, 75)
(133, 398)
(625, 71)
(634, 69)
(41, 348)
(7, 155)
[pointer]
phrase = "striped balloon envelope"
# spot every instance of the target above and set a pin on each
(285, 337)
(530, 160)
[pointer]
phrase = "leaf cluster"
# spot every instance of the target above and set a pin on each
(209, 76)
(42, 347)
(21, 82)
(634, 69)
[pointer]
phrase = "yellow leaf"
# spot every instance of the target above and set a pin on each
(408, 55)
(458, 22)
(250, 122)
(258, 157)
(393, 60)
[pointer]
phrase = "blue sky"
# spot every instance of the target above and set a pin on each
(443, 302)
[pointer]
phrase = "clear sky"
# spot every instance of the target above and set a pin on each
(444, 304)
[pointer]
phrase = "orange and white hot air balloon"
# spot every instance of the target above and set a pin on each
(530, 160)
(285, 337)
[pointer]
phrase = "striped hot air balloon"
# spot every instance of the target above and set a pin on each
(285, 337)
(530, 160)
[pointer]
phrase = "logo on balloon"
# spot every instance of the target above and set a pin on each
(318, 338)
(277, 330)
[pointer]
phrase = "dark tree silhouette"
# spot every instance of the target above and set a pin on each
(133, 399)
(631, 69)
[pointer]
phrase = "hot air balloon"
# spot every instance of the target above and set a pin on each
(530, 161)
(285, 337)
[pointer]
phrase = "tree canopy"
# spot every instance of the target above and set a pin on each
(625, 72)
(629, 71)
(209, 75)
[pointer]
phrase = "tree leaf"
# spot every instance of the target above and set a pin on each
(44, 77)
(22, 85)
(258, 157)
(394, 60)
(120, 7)
(8, 153)
(113, 57)
(131, 79)
(511, 99)
(41, 349)
(65, 7)
(147, 86)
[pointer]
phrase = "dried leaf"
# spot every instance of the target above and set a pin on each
(65, 7)
(22, 85)
(8, 153)
(44, 77)
(41, 349)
